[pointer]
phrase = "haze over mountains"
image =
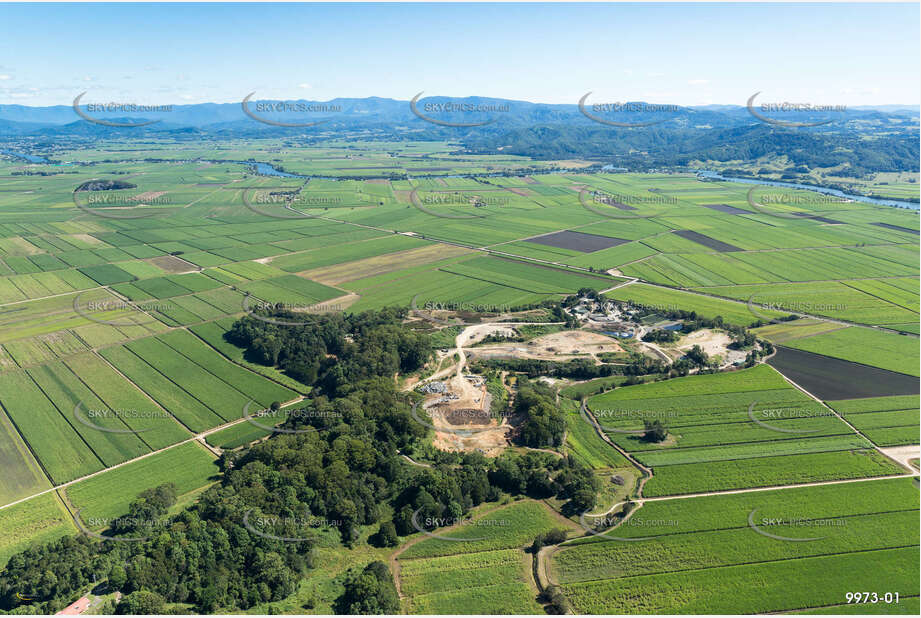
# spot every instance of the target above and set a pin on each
(871, 138)
(377, 110)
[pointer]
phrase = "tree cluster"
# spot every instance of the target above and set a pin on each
(332, 351)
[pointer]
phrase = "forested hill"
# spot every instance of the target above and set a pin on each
(866, 139)
(666, 146)
(251, 538)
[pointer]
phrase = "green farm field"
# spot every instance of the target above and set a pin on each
(107, 496)
(866, 346)
(672, 300)
(683, 550)
(767, 471)
(731, 430)
(38, 520)
(512, 526)
(130, 314)
(59, 449)
(22, 475)
(887, 421)
(486, 582)
(488, 573)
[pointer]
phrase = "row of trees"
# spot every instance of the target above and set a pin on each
(577, 368)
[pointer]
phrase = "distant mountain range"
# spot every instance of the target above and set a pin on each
(373, 110)
(877, 138)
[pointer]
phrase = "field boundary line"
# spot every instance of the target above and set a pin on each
(141, 390)
(63, 414)
(511, 287)
(687, 449)
(837, 280)
(99, 397)
(8, 425)
(746, 490)
(231, 386)
(621, 284)
(172, 381)
(885, 300)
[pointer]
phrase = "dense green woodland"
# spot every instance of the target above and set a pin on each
(660, 146)
(343, 470)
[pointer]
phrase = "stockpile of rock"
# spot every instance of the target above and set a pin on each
(432, 388)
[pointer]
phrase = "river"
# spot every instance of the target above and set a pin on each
(26, 157)
(824, 190)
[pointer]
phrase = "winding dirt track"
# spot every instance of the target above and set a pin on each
(394, 557)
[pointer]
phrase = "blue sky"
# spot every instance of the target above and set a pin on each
(689, 54)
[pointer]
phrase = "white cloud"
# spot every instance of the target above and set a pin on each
(305, 86)
(5, 77)
(698, 82)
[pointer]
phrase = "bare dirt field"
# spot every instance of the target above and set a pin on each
(336, 304)
(572, 163)
(172, 264)
(832, 378)
(711, 342)
(149, 195)
(702, 239)
(563, 345)
(341, 273)
(481, 331)
(92, 240)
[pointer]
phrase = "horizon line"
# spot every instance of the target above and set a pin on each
(407, 101)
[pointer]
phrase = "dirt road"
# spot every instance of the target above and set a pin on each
(903, 454)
